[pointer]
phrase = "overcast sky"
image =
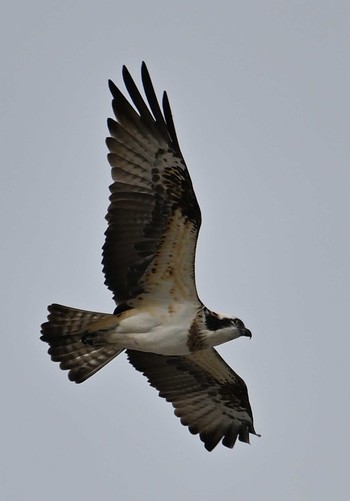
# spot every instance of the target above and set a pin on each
(260, 98)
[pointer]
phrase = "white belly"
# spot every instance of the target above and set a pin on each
(157, 330)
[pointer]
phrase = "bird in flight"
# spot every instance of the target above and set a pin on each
(148, 262)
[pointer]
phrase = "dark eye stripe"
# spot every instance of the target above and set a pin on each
(214, 322)
(238, 323)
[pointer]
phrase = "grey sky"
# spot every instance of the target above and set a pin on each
(260, 97)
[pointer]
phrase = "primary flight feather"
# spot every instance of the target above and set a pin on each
(148, 262)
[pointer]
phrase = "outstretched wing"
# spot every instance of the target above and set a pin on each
(153, 217)
(208, 396)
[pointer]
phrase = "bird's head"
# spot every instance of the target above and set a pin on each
(241, 328)
(229, 327)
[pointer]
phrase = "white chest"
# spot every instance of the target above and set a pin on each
(162, 330)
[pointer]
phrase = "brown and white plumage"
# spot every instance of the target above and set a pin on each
(208, 396)
(148, 262)
(152, 197)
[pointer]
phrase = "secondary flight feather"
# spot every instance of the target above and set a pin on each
(148, 262)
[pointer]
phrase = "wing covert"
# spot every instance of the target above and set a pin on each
(152, 204)
(208, 396)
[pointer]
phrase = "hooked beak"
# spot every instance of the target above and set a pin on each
(246, 332)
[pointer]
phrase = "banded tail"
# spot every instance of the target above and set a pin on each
(64, 332)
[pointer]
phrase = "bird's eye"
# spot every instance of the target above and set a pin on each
(238, 323)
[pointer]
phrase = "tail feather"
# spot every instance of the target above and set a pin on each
(64, 332)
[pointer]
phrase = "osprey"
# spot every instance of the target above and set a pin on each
(148, 263)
